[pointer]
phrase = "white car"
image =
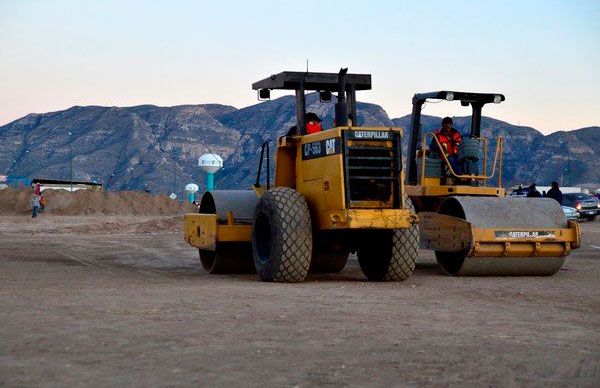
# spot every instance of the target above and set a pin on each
(571, 213)
(587, 205)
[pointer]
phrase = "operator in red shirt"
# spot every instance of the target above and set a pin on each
(313, 123)
(449, 138)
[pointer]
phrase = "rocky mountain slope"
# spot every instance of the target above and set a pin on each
(157, 148)
(569, 157)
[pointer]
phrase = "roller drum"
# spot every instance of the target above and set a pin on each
(241, 202)
(503, 213)
(228, 258)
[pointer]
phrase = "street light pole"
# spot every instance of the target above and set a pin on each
(71, 159)
(568, 162)
(26, 163)
(568, 169)
(14, 162)
(569, 173)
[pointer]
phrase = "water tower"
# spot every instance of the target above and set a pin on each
(191, 189)
(210, 163)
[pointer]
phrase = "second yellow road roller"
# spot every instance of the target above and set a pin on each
(455, 184)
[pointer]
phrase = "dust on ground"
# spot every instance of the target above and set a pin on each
(121, 300)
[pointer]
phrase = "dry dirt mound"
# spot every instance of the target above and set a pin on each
(93, 202)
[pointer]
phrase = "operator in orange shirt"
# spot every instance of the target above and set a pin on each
(449, 138)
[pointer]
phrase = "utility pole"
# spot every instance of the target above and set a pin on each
(26, 163)
(176, 156)
(14, 162)
(71, 159)
(568, 168)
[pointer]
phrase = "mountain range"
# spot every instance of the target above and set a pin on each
(157, 148)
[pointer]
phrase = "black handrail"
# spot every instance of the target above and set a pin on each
(264, 145)
(398, 172)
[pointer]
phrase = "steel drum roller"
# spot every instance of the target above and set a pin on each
(241, 202)
(229, 257)
(504, 214)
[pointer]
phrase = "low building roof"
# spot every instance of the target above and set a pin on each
(61, 182)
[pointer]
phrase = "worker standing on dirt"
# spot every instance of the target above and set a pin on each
(449, 138)
(42, 204)
(519, 190)
(35, 205)
(555, 193)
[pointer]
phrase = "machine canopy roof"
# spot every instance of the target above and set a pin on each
(467, 97)
(291, 80)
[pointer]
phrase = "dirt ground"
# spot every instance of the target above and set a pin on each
(92, 202)
(121, 300)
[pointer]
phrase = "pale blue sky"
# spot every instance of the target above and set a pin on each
(543, 55)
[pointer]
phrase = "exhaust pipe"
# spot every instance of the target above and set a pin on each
(341, 107)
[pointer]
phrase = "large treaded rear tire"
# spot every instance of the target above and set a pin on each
(282, 236)
(390, 255)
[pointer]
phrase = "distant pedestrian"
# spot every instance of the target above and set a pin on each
(42, 204)
(519, 190)
(555, 193)
(35, 205)
(533, 193)
(37, 189)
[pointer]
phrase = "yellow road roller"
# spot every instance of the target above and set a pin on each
(336, 191)
(465, 217)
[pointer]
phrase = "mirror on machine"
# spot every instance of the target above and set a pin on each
(264, 94)
(325, 96)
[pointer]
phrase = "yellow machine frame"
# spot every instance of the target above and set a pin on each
(458, 221)
(431, 186)
(321, 182)
(484, 240)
